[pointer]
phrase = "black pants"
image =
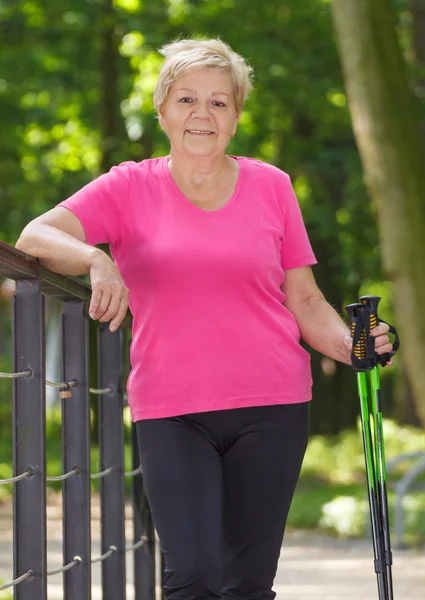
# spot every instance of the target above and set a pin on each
(219, 485)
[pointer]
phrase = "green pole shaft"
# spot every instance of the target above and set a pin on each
(381, 474)
(371, 485)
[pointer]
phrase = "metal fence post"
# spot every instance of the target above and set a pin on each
(111, 446)
(76, 453)
(29, 439)
(144, 558)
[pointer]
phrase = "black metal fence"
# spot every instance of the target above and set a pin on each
(30, 565)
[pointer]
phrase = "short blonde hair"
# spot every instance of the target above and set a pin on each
(182, 56)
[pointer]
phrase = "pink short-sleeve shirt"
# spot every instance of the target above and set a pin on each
(210, 331)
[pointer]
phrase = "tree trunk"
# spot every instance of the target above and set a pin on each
(385, 121)
(405, 410)
(418, 31)
(109, 127)
(109, 107)
(418, 46)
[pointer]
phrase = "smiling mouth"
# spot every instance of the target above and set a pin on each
(200, 132)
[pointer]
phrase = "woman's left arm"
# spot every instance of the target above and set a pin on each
(320, 325)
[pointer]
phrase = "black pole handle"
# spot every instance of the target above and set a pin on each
(369, 312)
(371, 320)
(358, 352)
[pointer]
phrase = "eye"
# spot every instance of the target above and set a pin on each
(219, 103)
(186, 100)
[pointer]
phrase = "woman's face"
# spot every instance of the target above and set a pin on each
(199, 115)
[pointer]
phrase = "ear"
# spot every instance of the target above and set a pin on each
(161, 119)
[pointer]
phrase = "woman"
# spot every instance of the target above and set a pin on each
(212, 252)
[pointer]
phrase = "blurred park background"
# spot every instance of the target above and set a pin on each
(76, 85)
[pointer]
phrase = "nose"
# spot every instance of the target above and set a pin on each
(201, 110)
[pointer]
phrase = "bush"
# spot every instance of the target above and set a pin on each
(339, 459)
(345, 516)
(332, 492)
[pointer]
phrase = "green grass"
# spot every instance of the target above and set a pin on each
(307, 506)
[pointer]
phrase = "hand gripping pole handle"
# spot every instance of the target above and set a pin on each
(371, 320)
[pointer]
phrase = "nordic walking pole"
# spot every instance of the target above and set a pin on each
(359, 364)
(371, 319)
(381, 475)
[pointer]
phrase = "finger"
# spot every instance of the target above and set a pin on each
(96, 297)
(381, 341)
(117, 320)
(390, 363)
(380, 329)
(112, 309)
(104, 303)
(385, 348)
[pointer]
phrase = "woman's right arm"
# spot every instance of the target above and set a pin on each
(57, 239)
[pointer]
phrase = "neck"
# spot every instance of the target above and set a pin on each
(198, 171)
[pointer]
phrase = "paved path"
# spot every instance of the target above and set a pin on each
(311, 567)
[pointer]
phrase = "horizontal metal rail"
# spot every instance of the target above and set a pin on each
(26, 373)
(77, 560)
(112, 550)
(17, 265)
(63, 477)
(23, 475)
(143, 540)
(16, 581)
(61, 385)
(73, 473)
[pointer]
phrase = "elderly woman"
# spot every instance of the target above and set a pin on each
(212, 256)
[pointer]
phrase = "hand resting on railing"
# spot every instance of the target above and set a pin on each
(109, 301)
(57, 239)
